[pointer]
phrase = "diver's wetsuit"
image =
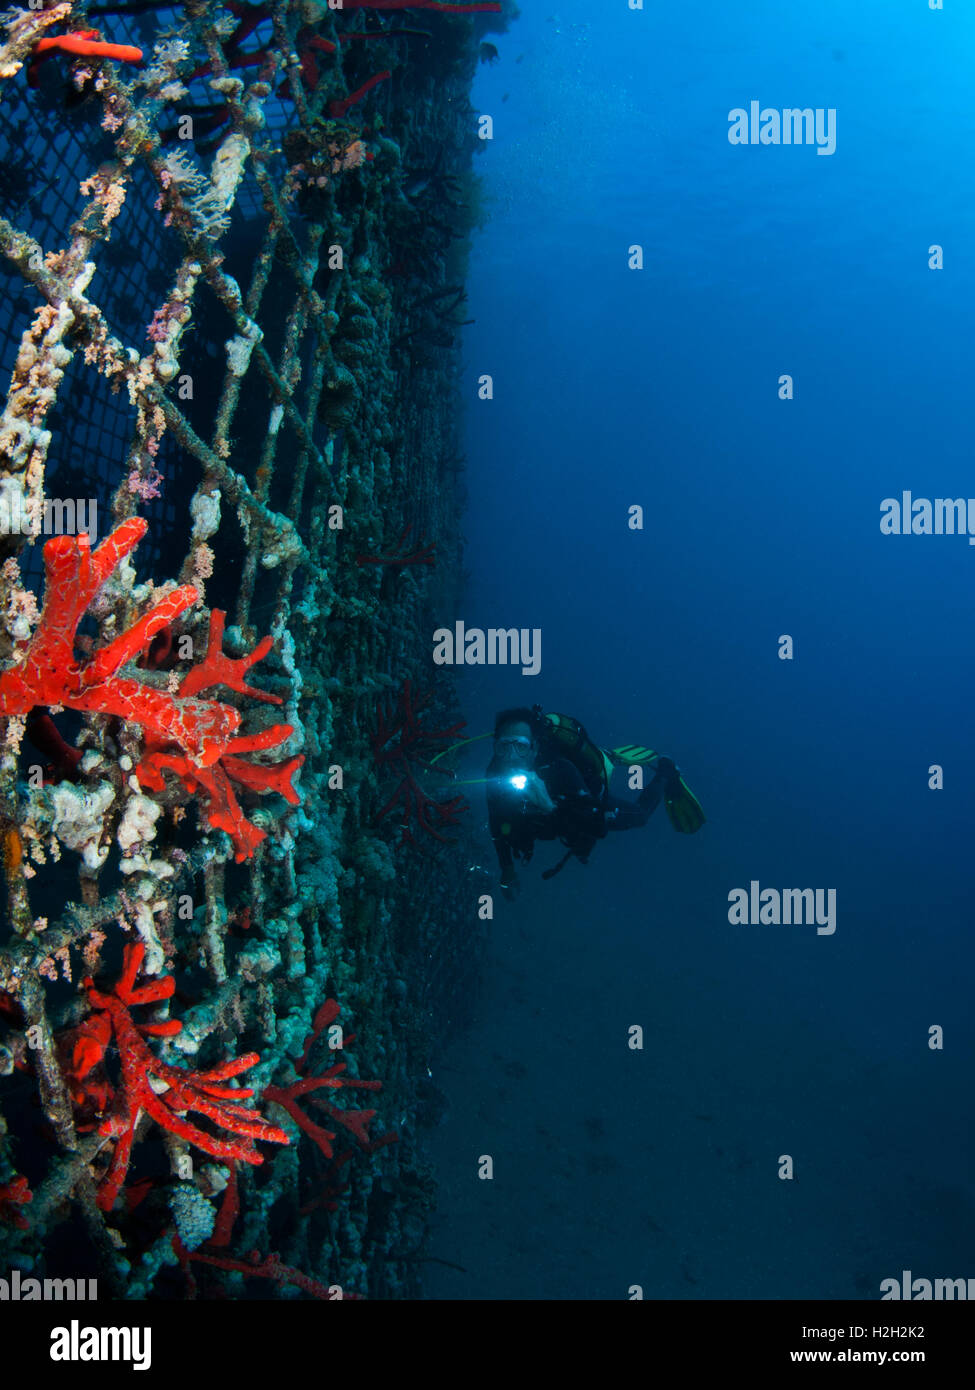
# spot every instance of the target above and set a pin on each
(579, 819)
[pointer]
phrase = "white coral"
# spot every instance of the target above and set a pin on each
(79, 816)
(139, 822)
(205, 511)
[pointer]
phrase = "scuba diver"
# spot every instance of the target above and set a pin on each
(549, 781)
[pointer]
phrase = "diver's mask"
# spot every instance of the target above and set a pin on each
(514, 755)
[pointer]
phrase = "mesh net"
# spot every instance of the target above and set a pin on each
(232, 283)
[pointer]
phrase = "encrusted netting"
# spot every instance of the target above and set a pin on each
(232, 282)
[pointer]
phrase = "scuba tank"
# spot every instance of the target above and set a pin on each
(561, 736)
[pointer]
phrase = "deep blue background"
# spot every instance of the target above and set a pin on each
(659, 387)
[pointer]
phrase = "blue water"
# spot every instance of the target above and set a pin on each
(659, 388)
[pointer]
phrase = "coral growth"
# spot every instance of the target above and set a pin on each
(207, 753)
(355, 1121)
(46, 672)
(340, 107)
(46, 738)
(401, 742)
(422, 811)
(271, 364)
(87, 43)
(164, 1092)
(14, 1195)
(80, 43)
(255, 1266)
(399, 557)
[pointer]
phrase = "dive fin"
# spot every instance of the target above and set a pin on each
(629, 755)
(684, 809)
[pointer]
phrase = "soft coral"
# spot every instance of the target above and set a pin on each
(204, 732)
(47, 673)
(167, 1093)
